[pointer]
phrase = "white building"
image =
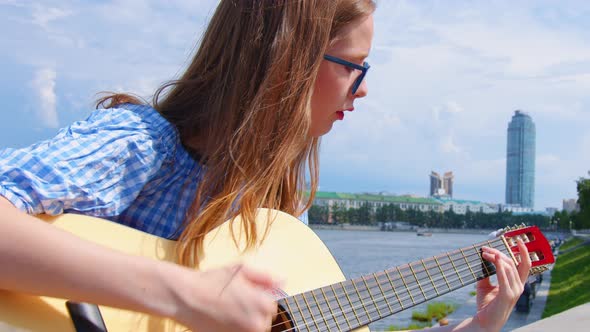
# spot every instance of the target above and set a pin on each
(461, 206)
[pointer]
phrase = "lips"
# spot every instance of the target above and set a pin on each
(340, 114)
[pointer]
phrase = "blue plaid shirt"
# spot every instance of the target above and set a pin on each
(125, 164)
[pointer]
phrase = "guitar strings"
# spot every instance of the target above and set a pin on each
(373, 284)
(354, 305)
(335, 318)
(400, 273)
(352, 308)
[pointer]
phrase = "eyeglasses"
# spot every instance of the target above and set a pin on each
(364, 68)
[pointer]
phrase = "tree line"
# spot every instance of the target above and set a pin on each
(366, 215)
(577, 219)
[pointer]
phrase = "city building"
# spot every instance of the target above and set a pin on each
(520, 162)
(516, 208)
(347, 201)
(448, 183)
(462, 206)
(405, 202)
(435, 183)
(551, 211)
(571, 205)
(441, 186)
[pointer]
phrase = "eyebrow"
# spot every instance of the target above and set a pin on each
(359, 58)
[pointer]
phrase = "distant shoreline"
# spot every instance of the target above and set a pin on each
(367, 228)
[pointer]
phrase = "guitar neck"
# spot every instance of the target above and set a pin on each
(357, 302)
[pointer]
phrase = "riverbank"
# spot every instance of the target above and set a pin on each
(571, 277)
(369, 228)
(568, 300)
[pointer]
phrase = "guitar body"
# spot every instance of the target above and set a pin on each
(290, 251)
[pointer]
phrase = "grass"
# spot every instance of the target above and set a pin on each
(435, 310)
(413, 326)
(571, 243)
(570, 280)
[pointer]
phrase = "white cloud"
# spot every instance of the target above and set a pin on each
(447, 145)
(445, 80)
(42, 16)
(44, 86)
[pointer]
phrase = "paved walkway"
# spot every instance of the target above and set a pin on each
(576, 319)
(519, 319)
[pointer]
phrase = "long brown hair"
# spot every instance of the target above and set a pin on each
(243, 106)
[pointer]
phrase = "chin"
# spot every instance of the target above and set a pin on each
(320, 132)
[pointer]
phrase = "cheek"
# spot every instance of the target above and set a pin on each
(322, 104)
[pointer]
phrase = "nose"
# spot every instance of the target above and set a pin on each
(363, 89)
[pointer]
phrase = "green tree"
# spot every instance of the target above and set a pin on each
(562, 220)
(582, 220)
(318, 214)
(339, 213)
(365, 214)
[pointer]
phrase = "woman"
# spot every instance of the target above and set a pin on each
(236, 132)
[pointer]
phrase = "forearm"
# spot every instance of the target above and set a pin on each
(38, 258)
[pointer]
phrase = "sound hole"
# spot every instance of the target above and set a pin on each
(283, 321)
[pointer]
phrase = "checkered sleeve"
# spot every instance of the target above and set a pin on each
(98, 166)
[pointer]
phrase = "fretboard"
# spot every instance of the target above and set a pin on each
(357, 302)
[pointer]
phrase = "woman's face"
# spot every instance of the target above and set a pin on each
(332, 94)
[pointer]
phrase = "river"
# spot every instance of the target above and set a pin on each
(359, 253)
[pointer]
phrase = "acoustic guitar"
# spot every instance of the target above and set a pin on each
(315, 297)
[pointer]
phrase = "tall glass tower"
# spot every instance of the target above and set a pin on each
(520, 161)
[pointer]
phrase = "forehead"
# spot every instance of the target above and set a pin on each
(354, 39)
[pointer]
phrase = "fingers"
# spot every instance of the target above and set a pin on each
(509, 278)
(484, 283)
(263, 280)
(525, 261)
(258, 305)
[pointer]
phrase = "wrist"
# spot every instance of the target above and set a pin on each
(159, 288)
(184, 299)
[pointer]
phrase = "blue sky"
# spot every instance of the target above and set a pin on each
(445, 79)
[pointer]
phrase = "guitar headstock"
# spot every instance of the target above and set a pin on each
(536, 243)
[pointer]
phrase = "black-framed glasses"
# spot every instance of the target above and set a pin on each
(364, 68)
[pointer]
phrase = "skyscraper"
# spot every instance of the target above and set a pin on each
(448, 183)
(520, 161)
(441, 186)
(435, 183)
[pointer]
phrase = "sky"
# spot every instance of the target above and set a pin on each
(445, 80)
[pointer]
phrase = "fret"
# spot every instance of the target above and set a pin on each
(490, 266)
(382, 292)
(361, 301)
(332, 314)
(505, 248)
(417, 281)
(430, 277)
(372, 298)
(406, 285)
(455, 268)
(315, 300)
(305, 323)
(341, 307)
(351, 303)
(313, 320)
(485, 270)
(442, 273)
(468, 265)
(394, 292)
(292, 312)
